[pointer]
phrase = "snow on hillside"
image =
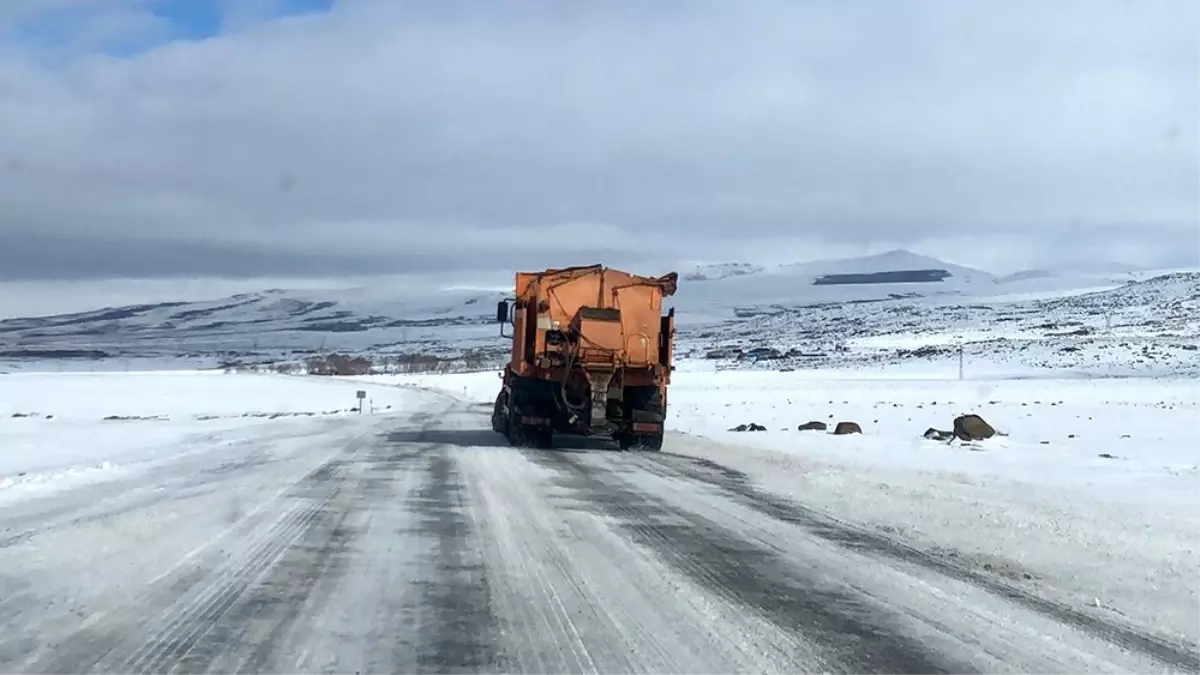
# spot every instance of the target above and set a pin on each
(718, 271)
(1149, 327)
(797, 283)
(268, 325)
(885, 262)
(743, 316)
(1081, 275)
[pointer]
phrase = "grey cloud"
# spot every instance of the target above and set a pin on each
(53, 257)
(50, 257)
(386, 135)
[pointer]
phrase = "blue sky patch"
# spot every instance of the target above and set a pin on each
(198, 19)
(123, 30)
(190, 19)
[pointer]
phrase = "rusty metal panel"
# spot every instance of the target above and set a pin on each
(518, 339)
(566, 296)
(550, 300)
(667, 338)
(640, 306)
(524, 279)
(601, 335)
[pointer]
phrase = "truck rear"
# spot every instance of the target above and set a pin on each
(592, 355)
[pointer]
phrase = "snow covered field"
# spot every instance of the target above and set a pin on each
(63, 430)
(1091, 498)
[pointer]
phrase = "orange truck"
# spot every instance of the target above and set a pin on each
(591, 356)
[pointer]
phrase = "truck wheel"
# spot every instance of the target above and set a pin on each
(651, 442)
(522, 436)
(499, 417)
(518, 434)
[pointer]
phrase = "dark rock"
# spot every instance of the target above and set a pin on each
(972, 428)
(814, 426)
(938, 435)
(847, 428)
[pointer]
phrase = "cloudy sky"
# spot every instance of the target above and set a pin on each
(293, 138)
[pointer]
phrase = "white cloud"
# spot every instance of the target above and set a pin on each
(382, 133)
(54, 30)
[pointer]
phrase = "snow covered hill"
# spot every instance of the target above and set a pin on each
(718, 271)
(1146, 327)
(739, 315)
(1110, 273)
(270, 325)
(896, 260)
(890, 275)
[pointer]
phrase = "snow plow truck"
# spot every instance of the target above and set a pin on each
(591, 356)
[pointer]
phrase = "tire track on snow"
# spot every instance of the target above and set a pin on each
(740, 487)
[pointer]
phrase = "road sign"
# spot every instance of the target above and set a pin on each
(361, 394)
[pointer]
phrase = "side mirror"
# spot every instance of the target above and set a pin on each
(502, 312)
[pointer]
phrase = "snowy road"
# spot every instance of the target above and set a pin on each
(421, 542)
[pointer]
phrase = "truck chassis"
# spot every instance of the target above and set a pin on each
(591, 357)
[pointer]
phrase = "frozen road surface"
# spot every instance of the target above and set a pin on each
(420, 542)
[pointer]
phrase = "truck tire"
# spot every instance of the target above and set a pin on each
(500, 415)
(524, 436)
(516, 431)
(643, 404)
(650, 442)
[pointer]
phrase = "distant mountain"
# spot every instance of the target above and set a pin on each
(264, 324)
(898, 260)
(890, 275)
(1094, 270)
(711, 297)
(717, 271)
(1099, 267)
